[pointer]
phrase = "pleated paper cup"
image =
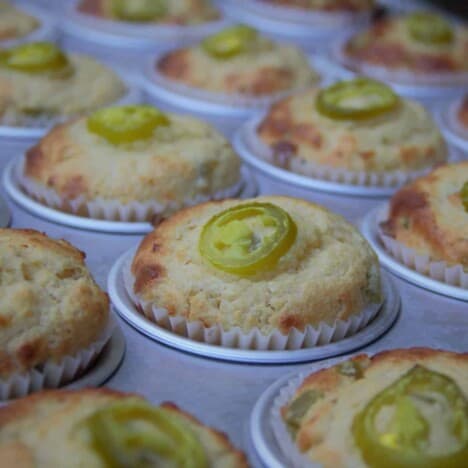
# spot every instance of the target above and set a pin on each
(54, 374)
(235, 337)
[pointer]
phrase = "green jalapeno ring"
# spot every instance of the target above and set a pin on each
(346, 100)
(429, 28)
(411, 454)
(229, 42)
(229, 245)
(126, 124)
(128, 433)
(35, 58)
(139, 10)
(464, 195)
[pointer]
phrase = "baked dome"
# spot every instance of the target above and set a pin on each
(15, 23)
(50, 305)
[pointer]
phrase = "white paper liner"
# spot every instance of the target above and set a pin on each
(51, 374)
(113, 210)
(423, 264)
(440, 81)
(332, 174)
(236, 100)
(254, 339)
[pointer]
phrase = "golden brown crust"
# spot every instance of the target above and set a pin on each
(387, 43)
(463, 113)
(23, 429)
(324, 433)
(428, 215)
(50, 306)
(326, 5)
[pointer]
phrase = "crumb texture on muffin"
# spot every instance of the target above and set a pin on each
(29, 439)
(179, 161)
(404, 139)
(90, 86)
(50, 305)
(323, 431)
(328, 273)
(428, 215)
(325, 5)
(177, 12)
(265, 68)
(388, 44)
(15, 23)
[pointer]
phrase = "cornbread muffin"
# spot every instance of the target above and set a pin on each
(429, 216)
(238, 61)
(416, 397)
(405, 138)
(462, 113)
(50, 305)
(15, 23)
(420, 43)
(67, 436)
(77, 87)
(294, 264)
(325, 5)
(181, 12)
(179, 162)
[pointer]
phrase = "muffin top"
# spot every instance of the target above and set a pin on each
(152, 156)
(98, 428)
(462, 114)
(175, 12)
(420, 43)
(238, 61)
(380, 411)
(50, 305)
(40, 81)
(272, 263)
(325, 5)
(430, 215)
(358, 125)
(15, 23)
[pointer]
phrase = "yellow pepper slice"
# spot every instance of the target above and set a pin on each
(126, 124)
(34, 57)
(429, 28)
(138, 435)
(139, 10)
(229, 42)
(357, 99)
(400, 427)
(248, 238)
(464, 195)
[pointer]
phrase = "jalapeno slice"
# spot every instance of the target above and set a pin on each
(248, 238)
(464, 195)
(229, 42)
(139, 435)
(35, 57)
(429, 28)
(420, 421)
(139, 10)
(126, 124)
(357, 99)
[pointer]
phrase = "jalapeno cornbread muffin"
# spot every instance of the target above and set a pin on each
(182, 12)
(238, 61)
(15, 23)
(325, 5)
(405, 407)
(50, 305)
(130, 163)
(421, 43)
(357, 125)
(430, 215)
(39, 81)
(273, 264)
(98, 428)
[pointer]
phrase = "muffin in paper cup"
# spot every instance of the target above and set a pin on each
(55, 319)
(315, 417)
(316, 135)
(273, 301)
(159, 164)
(426, 225)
